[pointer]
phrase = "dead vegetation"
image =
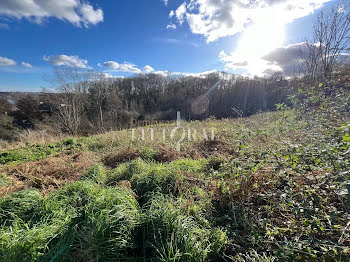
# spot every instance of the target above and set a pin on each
(47, 174)
(271, 187)
(165, 154)
(127, 154)
(208, 148)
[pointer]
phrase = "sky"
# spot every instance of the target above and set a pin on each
(127, 37)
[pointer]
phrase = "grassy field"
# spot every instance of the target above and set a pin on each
(271, 187)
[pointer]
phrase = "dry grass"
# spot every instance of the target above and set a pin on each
(39, 137)
(29, 136)
(165, 154)
(127, 154)
(47, 174)
(208, 148)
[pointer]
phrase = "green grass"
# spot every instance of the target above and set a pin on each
(172, 236)
(282, 194)
(37, 152)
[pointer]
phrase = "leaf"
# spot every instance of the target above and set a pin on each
(346, 138)
(320, 85)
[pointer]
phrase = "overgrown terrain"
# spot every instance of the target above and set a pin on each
(271, 187)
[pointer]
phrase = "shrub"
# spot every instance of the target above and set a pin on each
(147, 153)
(68, 141)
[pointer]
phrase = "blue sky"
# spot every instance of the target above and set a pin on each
(124, 37)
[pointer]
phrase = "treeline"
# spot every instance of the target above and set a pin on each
(86, 102)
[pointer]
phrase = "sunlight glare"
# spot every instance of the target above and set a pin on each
(259, 39)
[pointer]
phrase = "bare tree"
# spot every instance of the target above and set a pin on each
(330, 42)
(98, 94)
(310, 60)
(72, 85)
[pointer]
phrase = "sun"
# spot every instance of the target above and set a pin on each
(258, 40)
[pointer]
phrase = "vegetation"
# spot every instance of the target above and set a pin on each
(88, 103)
(36, 152)
(270, 187)
(257, 170)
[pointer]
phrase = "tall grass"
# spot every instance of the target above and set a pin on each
(171, 235)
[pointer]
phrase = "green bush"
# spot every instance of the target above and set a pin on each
(147, 153)
(77, 195)
(68, 141)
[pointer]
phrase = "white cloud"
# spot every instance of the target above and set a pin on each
(251, 66)
(90, 15)
(27, 65)
(285, 59)
(344, 58)
(162, 73)
(171, 26)
(171, 14)
(131, 68)
(74, 11)
(180, 13)
(107, 75)
(65, 60)
(288, 58)
(165, 2)
(6, 61)
(215, 19)
(175, 41)
(125, 67)
(185, 74)
(148, 69)
(128, 68)
(202, 74)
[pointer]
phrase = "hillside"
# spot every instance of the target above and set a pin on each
(270, 187)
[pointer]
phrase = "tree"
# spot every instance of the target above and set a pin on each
(5, 106)
(72, 85)
(330, 42)
(28, 107)
(99, 91)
